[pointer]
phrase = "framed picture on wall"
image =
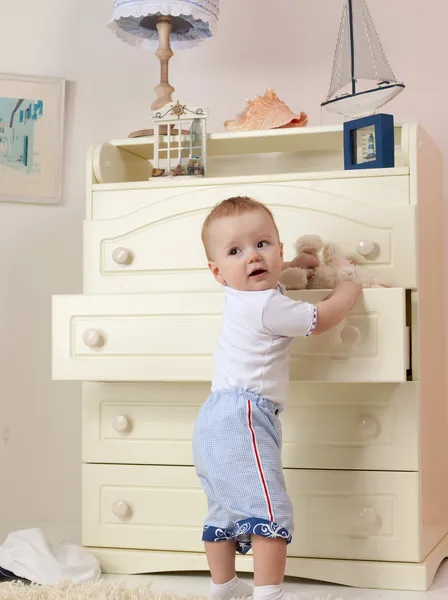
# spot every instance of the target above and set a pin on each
(31, 137)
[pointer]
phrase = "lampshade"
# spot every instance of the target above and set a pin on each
(134, 21)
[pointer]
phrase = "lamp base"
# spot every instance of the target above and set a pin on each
(150, 132)
(141, 133)
(164, 93)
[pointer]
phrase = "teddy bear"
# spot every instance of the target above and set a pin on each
(320, 265)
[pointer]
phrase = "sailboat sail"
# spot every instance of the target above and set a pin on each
(369, 58)
(341, 75)
(371, 61)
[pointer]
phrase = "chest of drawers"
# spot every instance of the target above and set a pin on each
(365, 445)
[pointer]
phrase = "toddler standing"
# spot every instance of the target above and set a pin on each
(237, 438)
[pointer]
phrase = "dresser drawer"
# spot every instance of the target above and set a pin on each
(325, 426)
(156, 337)
(158, 248)
(371, 344)
(338, 514)
(359, 515)
(351, 426)
(171, 337)
(140, 423)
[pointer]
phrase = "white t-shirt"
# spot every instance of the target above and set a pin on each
(254, 343)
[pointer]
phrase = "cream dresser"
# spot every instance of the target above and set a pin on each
(365, 445)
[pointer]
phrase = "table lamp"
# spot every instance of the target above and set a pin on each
(162, 24)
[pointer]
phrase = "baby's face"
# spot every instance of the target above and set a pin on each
(245, 251)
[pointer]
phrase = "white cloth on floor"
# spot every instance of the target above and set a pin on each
(29, 555)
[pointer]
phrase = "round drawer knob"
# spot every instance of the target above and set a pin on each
(121, 423)
(92, 338)
(121, 509)
(369, 426)
(368, 521)
(365, 247)
(121, 256)
(350, 335)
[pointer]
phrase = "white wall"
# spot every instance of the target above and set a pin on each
(110, 89)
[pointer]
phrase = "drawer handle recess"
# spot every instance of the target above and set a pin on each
(122, 256)
(121, 509)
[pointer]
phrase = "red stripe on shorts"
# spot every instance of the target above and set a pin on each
(257, 458)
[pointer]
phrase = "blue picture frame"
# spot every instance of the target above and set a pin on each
(381, 145)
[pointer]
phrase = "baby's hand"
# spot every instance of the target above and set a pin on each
(305, 261)
(331, 311)
(349, 273)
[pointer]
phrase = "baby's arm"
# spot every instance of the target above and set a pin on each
(286, 317)
(332, 310)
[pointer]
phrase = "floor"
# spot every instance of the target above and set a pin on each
(303, 590)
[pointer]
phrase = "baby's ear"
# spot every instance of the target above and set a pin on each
(281, 250)
(215, 272)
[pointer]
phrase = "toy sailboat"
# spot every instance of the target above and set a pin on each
(360, 59)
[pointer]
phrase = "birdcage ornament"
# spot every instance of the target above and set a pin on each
(180, 139)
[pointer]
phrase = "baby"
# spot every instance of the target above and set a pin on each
(237, 438)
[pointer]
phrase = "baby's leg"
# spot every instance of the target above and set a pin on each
(221, 561)
(269, 561)
(269, 567)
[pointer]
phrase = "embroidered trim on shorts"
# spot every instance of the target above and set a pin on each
(243, 531)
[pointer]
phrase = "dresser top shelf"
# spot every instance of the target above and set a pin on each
(304, 153)
(296, 139)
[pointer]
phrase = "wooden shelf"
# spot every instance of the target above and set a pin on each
(300, 139)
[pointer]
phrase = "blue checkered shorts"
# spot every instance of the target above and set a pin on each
(237, 455)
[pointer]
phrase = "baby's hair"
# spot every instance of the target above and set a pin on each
(238, 205)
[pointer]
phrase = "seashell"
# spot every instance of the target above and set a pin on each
(266, 112)
(158, 172)
(178, 171)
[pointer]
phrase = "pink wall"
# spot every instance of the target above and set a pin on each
(293, 50)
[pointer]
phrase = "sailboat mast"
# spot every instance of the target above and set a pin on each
(352, 45)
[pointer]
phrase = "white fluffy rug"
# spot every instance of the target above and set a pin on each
(100, 590)
(104, 590)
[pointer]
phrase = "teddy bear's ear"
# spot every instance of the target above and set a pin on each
(308, 243)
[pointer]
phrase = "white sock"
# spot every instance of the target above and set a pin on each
(268, 592)
(232, 589)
